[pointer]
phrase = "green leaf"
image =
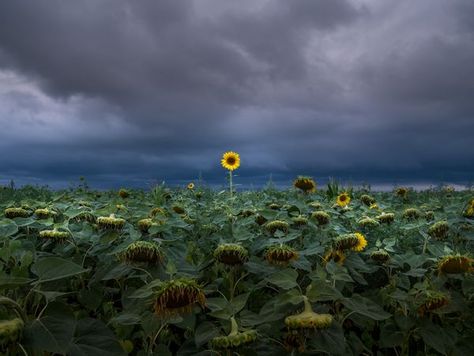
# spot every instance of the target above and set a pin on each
(366, 307)
(205, 332)
(322, 292)
(435, 336)
(285, 279)
(8, 228)
(53, 268)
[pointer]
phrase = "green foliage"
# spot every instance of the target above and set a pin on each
(139, 276)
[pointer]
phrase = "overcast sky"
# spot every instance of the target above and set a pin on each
(129, 92)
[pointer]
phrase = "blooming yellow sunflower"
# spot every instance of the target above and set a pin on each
(191, 186)
(362, 242)
(230, 160)
(343, 199)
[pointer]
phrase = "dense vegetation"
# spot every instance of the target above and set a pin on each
(199, 272)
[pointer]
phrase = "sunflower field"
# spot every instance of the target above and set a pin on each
(196, 271)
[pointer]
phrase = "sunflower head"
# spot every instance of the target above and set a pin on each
(178, 296)
(260, 219)
(315, 205)
(281, 255)
(54, 235)
(299, 221)
(367, 222)
(85, 216)
(411, 214)
(235, 339)
(439, 230)
(277, 225)
(401, 192)
(12, 213)
(345, 242)
(308, 319)
(337, 256)
(386, 218)
(361, 242)
(123, 193)
(11, 331)
(274, 206)
(343, 199)
(110, 222)
(367, 199)
(433, 300)
(305, 184)
(469, 209)
(190, 186)
(144, 224)
(43, 213)
(321, 217)
(230, 161)
(380, 256)
(429, 215)
(142, 252)
(231, 254)
(455, 264)
(158, 211)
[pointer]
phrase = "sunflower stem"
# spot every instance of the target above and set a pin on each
(230, 183)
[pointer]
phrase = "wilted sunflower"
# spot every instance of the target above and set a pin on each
(299, 220)
(281, 255)
(308, 319)
(380, 256)
(411, 214)
(235, 339)
(343, 200)
(367, 222)
(178, 209)
(321, 217)
(110, 222)
(455, 264)
(230, 161)
(277, 225)
(306, 184)
(11, 331)
(401, 192)
(386, 218)
(346, 242)
(432, 301)
(231, 254)
(190, 186)
(178, 296)
(468, 211)
(439, 230)
(54, 235)
(142, 252)
(43, 213)
(367, 199)
(123, 193)
(12, 213)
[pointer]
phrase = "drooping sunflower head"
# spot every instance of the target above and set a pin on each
(11, 331)
(142, 252)
(401, 192)
(343, 199)
(321, 217)
(274, 206)
(260, 219)
(234, 339)
(439, 230)
(178, 209)
(308, 319)
(432, 300)
(158, 211)
(123, 193)
(367, 199)
(315, 205)
(110, 222)
(230, 161)
(455, 264)
(380, 256)
(144, 224)
(12, 213)
(367, 222)
(277, 225)
(468, 211)
(281, 255)
(411, 214)
(43, 213)
(299, 221)
(386, 218)
(190, 186)
(54, 235)
(429, 215)
(178, 296)
(231, 254)
(346, 242)
(305, 184)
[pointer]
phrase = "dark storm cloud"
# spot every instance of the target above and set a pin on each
(132, 90)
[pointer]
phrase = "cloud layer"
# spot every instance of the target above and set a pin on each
(125, 92)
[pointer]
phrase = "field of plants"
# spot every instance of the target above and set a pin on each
(195, 271)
